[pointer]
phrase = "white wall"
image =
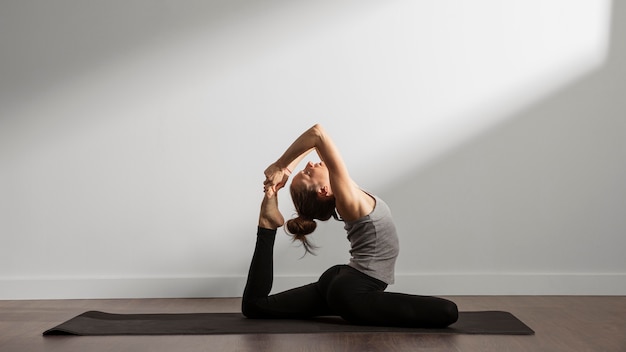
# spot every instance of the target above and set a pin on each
(133, 136)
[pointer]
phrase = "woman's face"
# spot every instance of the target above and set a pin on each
(314, 175)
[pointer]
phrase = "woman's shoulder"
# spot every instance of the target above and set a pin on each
(372, 207)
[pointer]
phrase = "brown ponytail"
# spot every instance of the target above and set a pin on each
(309, 208)
(299, 228)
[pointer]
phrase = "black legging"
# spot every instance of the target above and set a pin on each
(341, 290)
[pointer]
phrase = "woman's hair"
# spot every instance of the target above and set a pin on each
(309, 207)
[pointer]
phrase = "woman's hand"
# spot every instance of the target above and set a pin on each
(275, 178)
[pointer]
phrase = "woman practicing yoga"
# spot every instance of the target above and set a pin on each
(354, 291)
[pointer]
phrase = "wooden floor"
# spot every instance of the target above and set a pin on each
(568, 323)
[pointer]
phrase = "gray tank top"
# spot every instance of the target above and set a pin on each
(374, 243)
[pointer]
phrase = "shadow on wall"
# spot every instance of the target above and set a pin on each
(543, 191)
(52, 47)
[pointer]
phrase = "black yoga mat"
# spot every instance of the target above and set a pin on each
(100, 323)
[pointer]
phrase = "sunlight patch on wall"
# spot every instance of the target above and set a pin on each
(455, 74)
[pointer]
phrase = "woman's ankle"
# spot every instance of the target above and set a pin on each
(270, 217)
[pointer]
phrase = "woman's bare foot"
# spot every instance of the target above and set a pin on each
(270, 217)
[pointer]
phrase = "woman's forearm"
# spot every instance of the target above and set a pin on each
(292, 166)
(303, 145)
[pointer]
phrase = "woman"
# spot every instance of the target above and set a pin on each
(354, 291)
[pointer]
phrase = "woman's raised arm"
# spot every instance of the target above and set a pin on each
(349, 198)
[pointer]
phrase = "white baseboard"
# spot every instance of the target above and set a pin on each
(423, 284)
(513, 284)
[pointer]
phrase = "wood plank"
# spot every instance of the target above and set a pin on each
(561, 323)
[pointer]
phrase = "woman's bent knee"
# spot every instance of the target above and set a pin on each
(250, 309)
(449, 314)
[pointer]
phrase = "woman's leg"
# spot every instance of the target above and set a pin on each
(361, 299)
(399, 309)
(301, 302)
